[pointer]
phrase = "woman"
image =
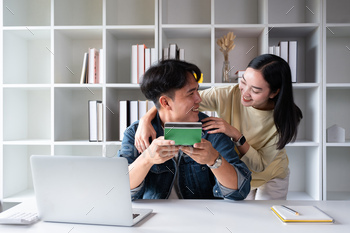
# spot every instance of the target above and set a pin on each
(259, 115)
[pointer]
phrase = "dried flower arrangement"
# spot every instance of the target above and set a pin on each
(226, 44)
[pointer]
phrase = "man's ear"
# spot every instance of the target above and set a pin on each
(164, 102)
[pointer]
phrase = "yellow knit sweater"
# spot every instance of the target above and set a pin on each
(263, 158)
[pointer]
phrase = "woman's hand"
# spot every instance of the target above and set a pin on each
(144, 131)
(218, 125)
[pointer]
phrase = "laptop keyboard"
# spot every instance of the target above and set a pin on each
(135, 215)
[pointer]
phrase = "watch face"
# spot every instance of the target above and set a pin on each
(241, 141)
(217, 163)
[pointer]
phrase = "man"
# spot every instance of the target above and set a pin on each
(209, 169)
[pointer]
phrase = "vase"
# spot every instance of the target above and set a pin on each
(226, 72)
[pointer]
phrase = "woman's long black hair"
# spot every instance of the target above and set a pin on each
(287, 114)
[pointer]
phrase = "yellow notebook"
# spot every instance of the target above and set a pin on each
(301, 214)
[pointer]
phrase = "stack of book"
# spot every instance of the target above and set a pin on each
(131, 111)
(92, 68)
(95, 121)
(141, 59)
(173, 52)
(288, 51)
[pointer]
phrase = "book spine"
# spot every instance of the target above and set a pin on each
(92, 120)
(83, 69)
(134, 63)
(292, 59)
(141, 55)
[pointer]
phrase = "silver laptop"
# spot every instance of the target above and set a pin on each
(84, 189)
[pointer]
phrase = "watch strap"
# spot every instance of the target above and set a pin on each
(217, 163)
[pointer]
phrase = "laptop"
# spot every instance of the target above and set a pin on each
(84, 189)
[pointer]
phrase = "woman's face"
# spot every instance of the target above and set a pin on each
(255, 91)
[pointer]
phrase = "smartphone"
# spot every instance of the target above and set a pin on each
(183, 133)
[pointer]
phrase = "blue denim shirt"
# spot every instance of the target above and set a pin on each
(195, 181)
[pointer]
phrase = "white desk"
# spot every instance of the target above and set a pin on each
(208, 216)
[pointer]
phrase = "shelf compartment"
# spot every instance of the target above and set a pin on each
(338, 109)
(185, 11)
(195, 41)
(338, 52)
(26, 13)
(113, 96)
(70, 46)
(26, 114)
(131, 12)
(309, 49)
(239, 12)
(111, 149)
(308, 100)
(28, 56)
(337, 173)
(17, 171)
(305, 180)
(249, 43)
(78, 12)
(337, 11)
(71, 112)
(118, 52)
(78, 150)
(295, 11)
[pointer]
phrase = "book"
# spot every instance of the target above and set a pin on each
(284, 50)
(84, 68)
(292, 59)
(97, 67)
(277, 51)
(154, 59)
(183, 133)
(134, 63)
(141, 61)
(165, 54)
(173, 51)
(123, 117)
(99, 121)
(134, 111)
(150, 104)
(101, 68)
(182, 54)
(301, 214)
(93, 120)
(92, 65)
(147, 58)
(142, 105)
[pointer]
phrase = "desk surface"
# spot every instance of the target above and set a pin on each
(222, 216)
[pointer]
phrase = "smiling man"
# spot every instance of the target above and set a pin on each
(209, 169)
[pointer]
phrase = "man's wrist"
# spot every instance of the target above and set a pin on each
(217, 163)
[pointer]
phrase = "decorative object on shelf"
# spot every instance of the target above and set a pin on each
(335, 133)
(226, 44)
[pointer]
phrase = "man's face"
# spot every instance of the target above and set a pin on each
(184, 106)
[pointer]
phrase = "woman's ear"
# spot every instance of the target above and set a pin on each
(164, 102)
(273, 95)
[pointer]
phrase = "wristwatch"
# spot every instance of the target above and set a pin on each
(240, 141)
(217, 163)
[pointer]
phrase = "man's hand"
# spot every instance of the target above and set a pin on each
(202, 153)
(160, 151)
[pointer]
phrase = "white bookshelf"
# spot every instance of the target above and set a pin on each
(336, 89)
(44, 108)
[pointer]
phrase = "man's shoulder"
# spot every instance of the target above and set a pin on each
(202, 115)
